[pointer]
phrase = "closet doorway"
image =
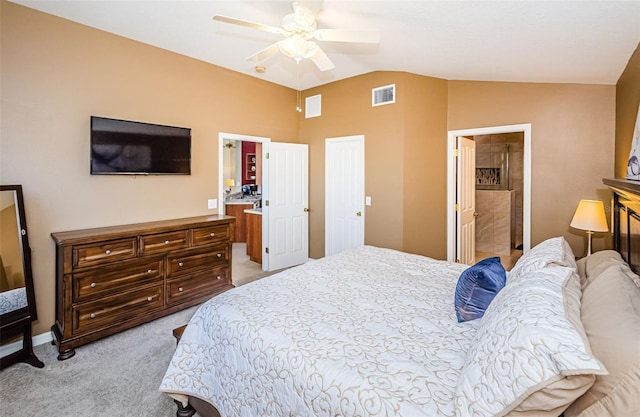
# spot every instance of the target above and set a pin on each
(502, 192)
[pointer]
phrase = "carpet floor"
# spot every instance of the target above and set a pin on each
(115, 376)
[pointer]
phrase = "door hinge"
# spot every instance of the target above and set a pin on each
(457, 261)
(457, 152)
(267, 155)
(266, 250)
(266, 203)
(457, 207)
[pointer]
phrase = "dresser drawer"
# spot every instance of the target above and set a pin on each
(164, 242)
(208, 282)
(209, 235)
(116, 308)
(101, 281)
(104, 252)
(178, 265)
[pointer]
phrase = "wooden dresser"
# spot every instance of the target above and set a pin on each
(110, 279)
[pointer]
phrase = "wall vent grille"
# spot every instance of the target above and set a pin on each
(383, 95)
(313, 106)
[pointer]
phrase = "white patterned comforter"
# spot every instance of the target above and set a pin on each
(368, 332)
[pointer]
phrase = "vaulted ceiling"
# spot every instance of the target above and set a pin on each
(520, 41)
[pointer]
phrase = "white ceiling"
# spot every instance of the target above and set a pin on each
(564, 41)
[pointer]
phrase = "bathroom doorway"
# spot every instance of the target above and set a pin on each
(499, 185)
(240, 172)
(503, 192)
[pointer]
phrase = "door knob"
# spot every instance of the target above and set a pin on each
(306, 210)
(475, 214)
(359, 214)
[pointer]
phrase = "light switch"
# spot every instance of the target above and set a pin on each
(367, 201)
(212, 203)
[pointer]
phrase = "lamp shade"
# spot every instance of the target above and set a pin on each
(230, 182)
(590, 216)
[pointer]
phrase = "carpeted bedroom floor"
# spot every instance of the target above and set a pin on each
(115, 376)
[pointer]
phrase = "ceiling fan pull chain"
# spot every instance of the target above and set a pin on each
(298, 93)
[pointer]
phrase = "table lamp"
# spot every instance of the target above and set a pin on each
(590, 216)
(230, 183)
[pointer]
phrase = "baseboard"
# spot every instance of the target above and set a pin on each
(40, 339)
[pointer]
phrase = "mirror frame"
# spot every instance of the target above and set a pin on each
(19, 321)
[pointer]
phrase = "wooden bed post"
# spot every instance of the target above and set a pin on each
(183, 411)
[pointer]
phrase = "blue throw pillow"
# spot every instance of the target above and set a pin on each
(476, 288)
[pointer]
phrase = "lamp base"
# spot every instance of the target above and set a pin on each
(589, 238)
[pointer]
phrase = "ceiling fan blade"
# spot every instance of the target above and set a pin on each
(246, 23)
(265, 53)
(322, 61)
(348, 35)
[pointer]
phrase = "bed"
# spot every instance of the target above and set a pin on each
(378, 332)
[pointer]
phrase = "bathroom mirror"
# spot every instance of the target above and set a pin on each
(17, 298)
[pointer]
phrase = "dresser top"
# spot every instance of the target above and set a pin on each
(129, 230)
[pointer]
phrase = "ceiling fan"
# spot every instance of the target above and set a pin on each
(300, 32)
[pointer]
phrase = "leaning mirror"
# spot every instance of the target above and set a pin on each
(17, 298)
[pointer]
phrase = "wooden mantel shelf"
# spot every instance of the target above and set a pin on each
(627, 188)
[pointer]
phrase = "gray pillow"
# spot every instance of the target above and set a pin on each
(610, 313)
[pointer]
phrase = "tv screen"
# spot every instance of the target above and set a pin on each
(136, 148)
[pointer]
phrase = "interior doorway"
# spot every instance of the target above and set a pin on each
(276, 219)
(498, 194)
(233, 169)
(497, 148)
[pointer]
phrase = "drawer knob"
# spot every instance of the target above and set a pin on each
(180, 289)
(149, 271)
(218, 277)
(108, 252)
(180, 263)
(166, 242)
(149, 298)
(212, 234)
(219, 255)
(93, 285)
(92, 315)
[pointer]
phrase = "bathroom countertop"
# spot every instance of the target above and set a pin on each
(246, 200)
(257, 211)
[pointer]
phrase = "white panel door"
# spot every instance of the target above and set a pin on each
(344, 193)
(466, 201)
(287, 206)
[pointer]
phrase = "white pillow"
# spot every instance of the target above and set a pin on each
(530, 353)
(555, 251)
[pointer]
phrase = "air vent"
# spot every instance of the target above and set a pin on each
(313, 106)
(383, 95)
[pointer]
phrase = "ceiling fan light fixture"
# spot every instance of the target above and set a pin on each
(297, 47)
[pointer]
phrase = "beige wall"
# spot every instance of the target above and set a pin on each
(425, 166)
(55, 74)
(405, 167)
(572, 144)
(572, 150)
(347, 111)
(627, 102)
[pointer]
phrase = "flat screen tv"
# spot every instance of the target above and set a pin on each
(136, 148)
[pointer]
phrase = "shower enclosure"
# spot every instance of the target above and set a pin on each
(493, 170)
(495, 197)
